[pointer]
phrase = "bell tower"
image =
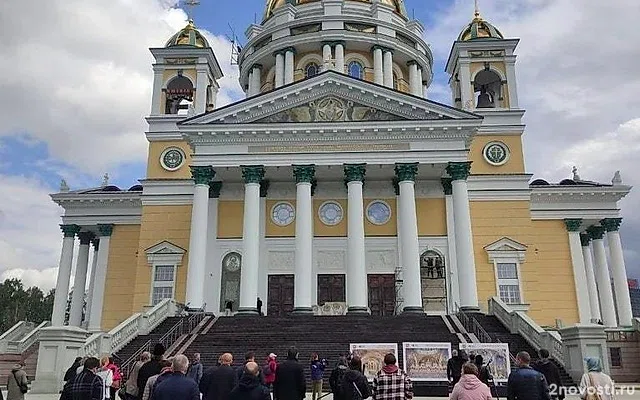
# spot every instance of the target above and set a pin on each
(481, 67)
(186, 75)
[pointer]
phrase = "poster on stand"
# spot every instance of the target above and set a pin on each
(494, 355)
(426, 361)
(372, 355)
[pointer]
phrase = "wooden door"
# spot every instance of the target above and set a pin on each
(382, 294)
(280, 295)
(331, 288)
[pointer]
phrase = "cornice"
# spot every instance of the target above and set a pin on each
(89, 200)
(578, 194)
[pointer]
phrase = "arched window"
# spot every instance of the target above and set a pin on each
(230, 280)
(311, 70)
(179, 94)
(489, 85)
(432, 265)
(356, 70)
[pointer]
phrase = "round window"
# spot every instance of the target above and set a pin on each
(282, 214)
(496, 153)
(378, 212)
(172, 158)
(330, 213)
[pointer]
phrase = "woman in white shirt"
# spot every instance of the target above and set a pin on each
(107, 376)
(595, 381)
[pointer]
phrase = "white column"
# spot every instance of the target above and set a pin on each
(619, 271)
(263, 272)
(196, 272)
(213, 272)
(464, 237)
(594, 303)
(304, 175)
(92, 280)
(250, 271)
(95, 314)
(412, 285)
(80, 281)
(156, 96)
(251, 90)
(288, 66)
(64, 274)
(326, 56)
(357, 298)
(466, 93)
(388, 69)
(378, 76)
(279, 69)
(452, 265)
(579, 272)
(421, 85)
(415, 86)
(202, 85)
(511, 83)
(256, 80)
(340, 58)
(603, 280)
(400, 293)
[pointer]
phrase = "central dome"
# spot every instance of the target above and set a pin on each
(398, 5)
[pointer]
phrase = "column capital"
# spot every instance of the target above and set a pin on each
(412, 62)
(252, 173)
(355, 172)
(70, 230)
(611, 224)
(85, 237)
(304, 173)
(595, 232)
(105, 229)
(406, 172)
(258, 66)
(396, 187)
(333, 43)
(96, 243)
(585, 239)
(202, 175)
(264, 187)
(447, 187)
(459, 171)
(573, 225)
(278, 53)
(214, 189)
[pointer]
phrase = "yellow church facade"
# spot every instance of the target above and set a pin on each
(337, 186)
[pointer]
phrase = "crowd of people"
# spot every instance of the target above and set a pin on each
(155, 378)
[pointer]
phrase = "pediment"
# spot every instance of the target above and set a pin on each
(330, 97)
(165, 247)
(505, 244)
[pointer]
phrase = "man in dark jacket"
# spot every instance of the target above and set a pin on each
(218, 382)
(290, 383)
(355, 385)
(337, 375)
(72, 371)
(153, 367)
(550, 372)
(250, 387)
(177, 385)
(86, 385)
(525, 383)
(249, 356)
(454, 367)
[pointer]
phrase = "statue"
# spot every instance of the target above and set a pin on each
(617, 179)
(63, 186)
(105, 180)
(576, 177)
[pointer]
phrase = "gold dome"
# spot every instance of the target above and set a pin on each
(188, 36)
(398, 5)
(479, 29)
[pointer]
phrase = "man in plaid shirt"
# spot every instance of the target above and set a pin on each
(392, 383)
(86, 385)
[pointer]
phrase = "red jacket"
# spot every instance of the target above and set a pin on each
(271, 367)
(117, 376)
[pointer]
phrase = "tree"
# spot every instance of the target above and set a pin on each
(20, 304)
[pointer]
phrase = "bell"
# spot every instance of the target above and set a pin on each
(484, 101)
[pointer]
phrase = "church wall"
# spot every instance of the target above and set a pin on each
(432, 217)
(547, 257)
(154, 168)
(119, 285)
(515, 163)
(230, 216)
(159, 223)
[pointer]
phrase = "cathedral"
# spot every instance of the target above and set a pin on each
(338, 187)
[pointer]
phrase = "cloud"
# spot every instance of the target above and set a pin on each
(78, 75)
(44, 279)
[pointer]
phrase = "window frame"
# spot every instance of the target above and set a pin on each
(164, 254)
(507, 251)
(362, 69)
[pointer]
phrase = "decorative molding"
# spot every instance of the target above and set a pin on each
(331, 260)
(585, 239)
(304, 173)
(202, 175)
(611, 224)
(86, 237)
(105, 230)
(355, 172)
(573, 225)
(281, 260)
(165, 252)
(265, 184)
(214, 189)
(252, 173)
(447, 187)
(70, 230)
(381, 260)
(459, 171)
(505, 248)
(406, 172)
(595, 232)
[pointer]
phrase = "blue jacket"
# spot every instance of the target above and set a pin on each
(317, 370)
(176, 386)
(527, 384)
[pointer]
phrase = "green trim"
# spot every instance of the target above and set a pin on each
(314, 186)
(85, 237)
(264, 187)
(105, 229)
(304, 173)
(595, 232)
(447, 186)
(406, 172)
(396, 187)
(459, 171)
(611, 224)
(202, 175)
(585, 239)
(70, 230)
(355, 172)
(573, 225)
(252, 173)
(96, 243)
(214, 189)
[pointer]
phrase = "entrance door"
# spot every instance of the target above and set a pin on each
(382, 294)
(280, 295)
(331, 288)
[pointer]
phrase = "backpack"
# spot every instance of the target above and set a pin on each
(335, 381)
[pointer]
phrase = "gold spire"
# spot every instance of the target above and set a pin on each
(477, 12)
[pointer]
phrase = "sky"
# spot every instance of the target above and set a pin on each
(77, 83)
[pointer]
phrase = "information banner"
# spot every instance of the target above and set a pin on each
(372, 355)
(495, 355)
(426, 361)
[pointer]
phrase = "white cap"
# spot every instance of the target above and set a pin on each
(273, 355)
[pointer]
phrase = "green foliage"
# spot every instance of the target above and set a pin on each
(20, 304)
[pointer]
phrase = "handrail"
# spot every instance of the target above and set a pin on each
(472, 325)
(32, 337)
(12, 330)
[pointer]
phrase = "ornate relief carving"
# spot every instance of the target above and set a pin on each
(331, 260)
(381, 260)
(281, 260)
(183, 61)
